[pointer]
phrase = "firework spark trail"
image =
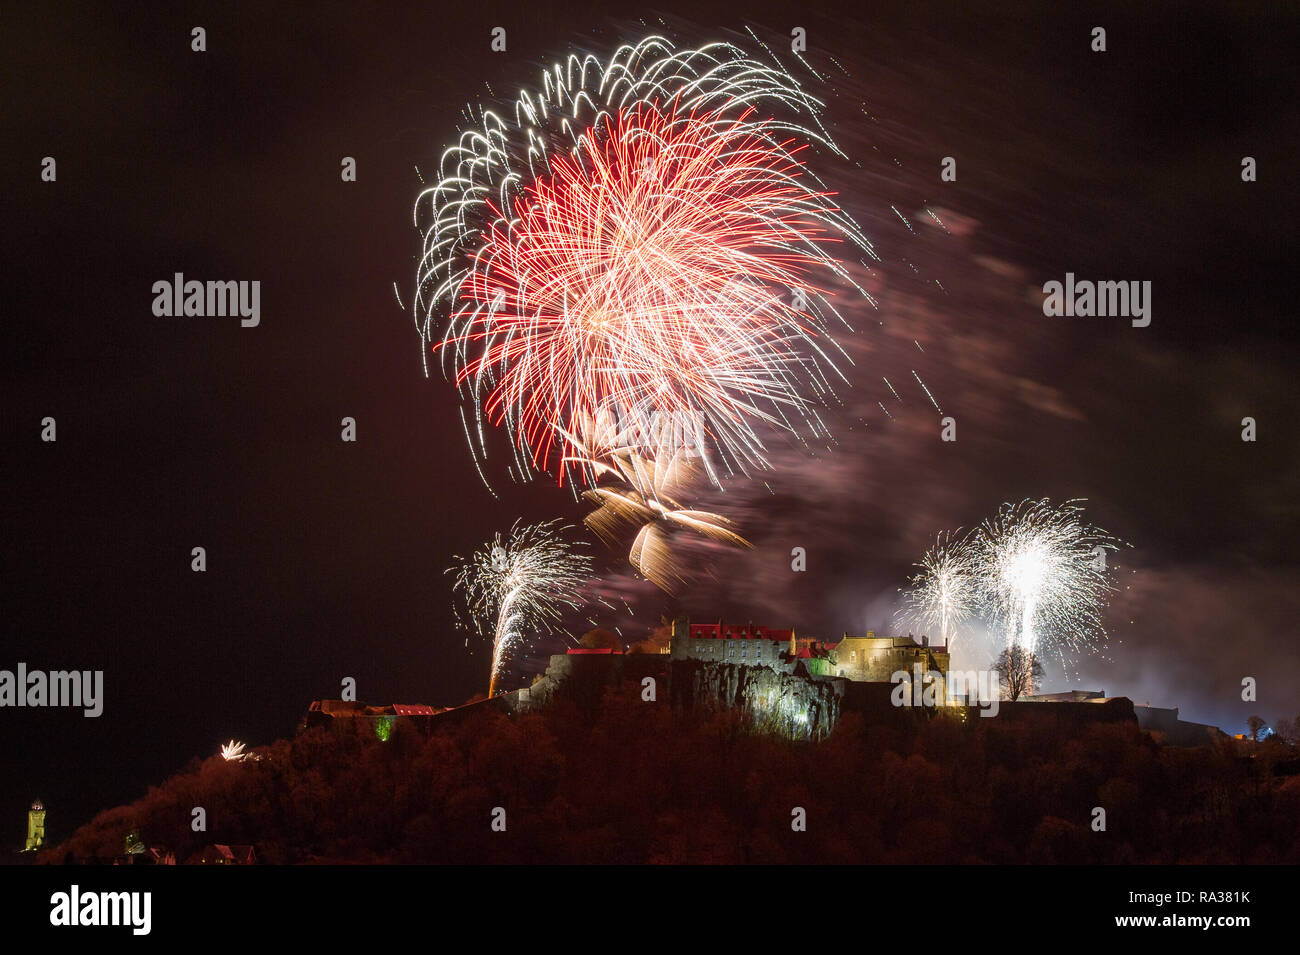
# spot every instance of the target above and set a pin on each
(943, 593)
(1044, 575)
(641, 239)
(518, 586)
(645, 503)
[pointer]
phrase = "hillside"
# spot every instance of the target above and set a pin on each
(632, 782)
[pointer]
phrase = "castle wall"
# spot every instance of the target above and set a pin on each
(584, 679)
(877, 659)
(1176, 732)
(738, 651)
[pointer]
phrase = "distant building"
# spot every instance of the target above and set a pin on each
(1151, 719)
(1177, 732)
(380, 719)
(136, 853)
(1066, 696)
(35, 827)
(225, 855)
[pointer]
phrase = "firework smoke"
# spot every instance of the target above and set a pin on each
(518, 586)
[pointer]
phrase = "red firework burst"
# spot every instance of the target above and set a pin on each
(664, 270)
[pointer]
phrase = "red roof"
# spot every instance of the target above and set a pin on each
(413, 709)
(243, 854)
(806, 652)
(577, 650)
(738, 631)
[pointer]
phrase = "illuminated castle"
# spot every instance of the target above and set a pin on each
(743, 644)
(35, 827)
(868, 659)
(873, 659)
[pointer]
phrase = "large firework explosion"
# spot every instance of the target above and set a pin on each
(944, 592)
(518, 586)
(638, 240)
(637, 249)
(1044, 574)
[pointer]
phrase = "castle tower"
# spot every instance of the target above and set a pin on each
(681, 632)
(35, 827)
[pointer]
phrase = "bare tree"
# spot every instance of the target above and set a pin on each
(1288, 731)
(1018, 671)
(1255, 724)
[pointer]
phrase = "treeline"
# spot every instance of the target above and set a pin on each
(637, 782)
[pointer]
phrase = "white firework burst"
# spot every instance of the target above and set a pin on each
(518, 586)
(234, 752)
(637, 237)
(944, 593)
(1043, 572)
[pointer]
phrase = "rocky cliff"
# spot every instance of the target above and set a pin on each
(790, 704)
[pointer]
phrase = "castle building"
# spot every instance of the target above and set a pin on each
(216, 854)
(818, 658)
(868, 659)
(743, 644)
(873, 659)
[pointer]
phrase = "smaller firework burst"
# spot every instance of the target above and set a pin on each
(645, 503)
(943, 593)
(234, 752)
(518, 586)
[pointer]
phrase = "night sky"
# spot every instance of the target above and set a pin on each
(326, 559)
